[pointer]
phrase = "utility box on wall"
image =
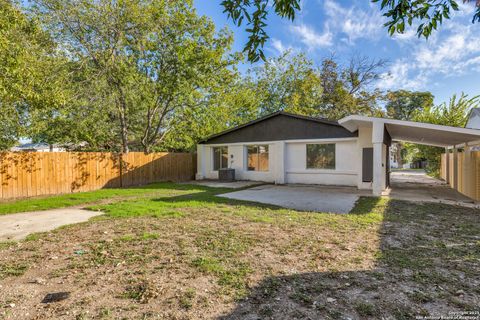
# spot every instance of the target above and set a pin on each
(226, 174)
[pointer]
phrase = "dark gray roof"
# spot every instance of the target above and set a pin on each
(281, 126)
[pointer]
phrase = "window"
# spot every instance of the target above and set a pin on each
(220, 158)
(321, 156)
(257, 158)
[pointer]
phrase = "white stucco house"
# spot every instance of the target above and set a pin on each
(38, 147)
(287, 148)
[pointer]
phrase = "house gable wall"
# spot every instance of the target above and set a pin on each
(282, 127)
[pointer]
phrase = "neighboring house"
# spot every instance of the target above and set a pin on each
(394, 156)
(286, 148)
(38, 147)
(473, 119)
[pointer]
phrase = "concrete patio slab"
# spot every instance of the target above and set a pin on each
(300, 197)
(19, 225)
(224, 184)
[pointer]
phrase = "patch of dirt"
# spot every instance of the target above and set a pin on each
(227, 262)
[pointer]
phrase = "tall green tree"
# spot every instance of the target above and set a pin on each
(454, 113)
(29, 66)
(292, 82)
(233, 103)
(155, 58)
(289, 82)
(404, 104)
(350, 90)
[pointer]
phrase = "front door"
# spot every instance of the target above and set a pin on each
(367, 165)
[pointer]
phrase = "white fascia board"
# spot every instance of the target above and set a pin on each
(347, 123)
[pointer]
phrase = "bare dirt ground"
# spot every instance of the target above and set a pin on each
(229, 261)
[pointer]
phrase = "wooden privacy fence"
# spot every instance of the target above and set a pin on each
(467, 172)
(29, 174)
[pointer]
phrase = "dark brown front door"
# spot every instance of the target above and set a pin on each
(367, 165)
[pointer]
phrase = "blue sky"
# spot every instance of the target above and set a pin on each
(445, 64)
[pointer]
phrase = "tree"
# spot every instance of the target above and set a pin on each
(429, 13)
(86, 120)
(232, 104)
(29, 68)
(403, 104)
(454, 113)
(255, 13)
(291, 82)
(155, 58)
(348, 90)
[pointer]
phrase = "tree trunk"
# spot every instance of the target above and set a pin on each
(122, 110)
(399, 155)
(124, 134)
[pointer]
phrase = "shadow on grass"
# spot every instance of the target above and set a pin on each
(211, 196)
(177, 200)
(426, 263)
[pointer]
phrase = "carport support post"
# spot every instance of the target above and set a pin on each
(201, 162)
(455, 168)
(280, 162)
(379, 173)
(447, 165)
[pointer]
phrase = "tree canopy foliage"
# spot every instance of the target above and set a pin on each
(29, 79)
(403, 104)
(454, 113)
(153, 59)
(154, 75)
(292, 82)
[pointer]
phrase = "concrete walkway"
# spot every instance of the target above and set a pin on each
(332, 199)
(17, 226)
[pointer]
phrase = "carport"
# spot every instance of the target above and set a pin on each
(383, 131)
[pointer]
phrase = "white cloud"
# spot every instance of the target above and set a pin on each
(409, 34)
(452, 51)
(278, 45)
(400, 75)
(354, 22)
(450, 54)
(311, 38)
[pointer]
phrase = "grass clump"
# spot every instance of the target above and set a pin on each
(12, 270)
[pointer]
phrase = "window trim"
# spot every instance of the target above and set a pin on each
(334, 154)
(213, 158)
(258, 152)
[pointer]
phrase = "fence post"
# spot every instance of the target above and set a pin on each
(120, 161)
(447, 165)
(455, 168)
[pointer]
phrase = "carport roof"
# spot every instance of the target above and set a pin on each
(416, 132)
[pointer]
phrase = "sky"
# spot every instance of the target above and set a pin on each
(447, 63)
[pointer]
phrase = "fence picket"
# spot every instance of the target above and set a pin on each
(29, 174)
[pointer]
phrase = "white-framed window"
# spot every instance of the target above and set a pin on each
(257, 158)
(220, 158)
(321, 156)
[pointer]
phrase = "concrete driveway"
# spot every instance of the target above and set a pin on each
(301, 197)
(19, 225)
(416, 185)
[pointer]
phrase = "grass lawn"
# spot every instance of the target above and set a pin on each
(85, 198)
(179, 252)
